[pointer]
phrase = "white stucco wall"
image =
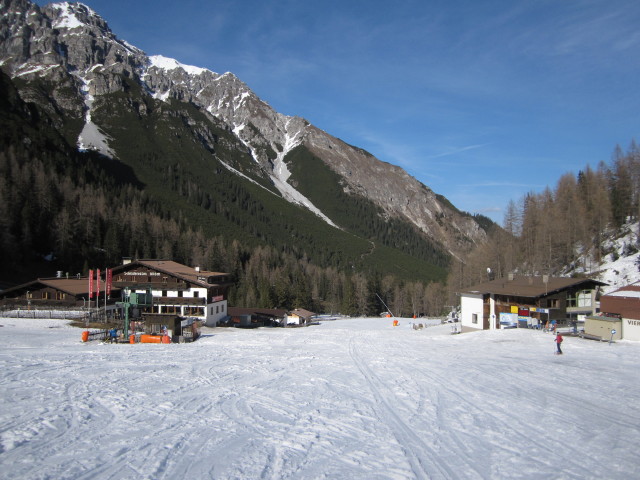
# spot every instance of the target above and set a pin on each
(215, 312)
(631, 329)
(471, 304)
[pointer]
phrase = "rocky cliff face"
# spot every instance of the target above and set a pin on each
(72, 46)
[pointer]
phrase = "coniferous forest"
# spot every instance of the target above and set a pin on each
(562, 229)
(79, 210)
(61, 209)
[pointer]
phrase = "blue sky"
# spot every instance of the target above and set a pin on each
(482, 101)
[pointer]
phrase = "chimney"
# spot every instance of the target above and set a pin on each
(126, 260)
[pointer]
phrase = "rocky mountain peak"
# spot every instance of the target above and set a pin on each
(71, 44)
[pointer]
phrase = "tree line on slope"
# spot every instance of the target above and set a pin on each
(89, 220)
(551, 231)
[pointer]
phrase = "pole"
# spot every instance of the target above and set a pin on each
(385, 306)
(126, 305)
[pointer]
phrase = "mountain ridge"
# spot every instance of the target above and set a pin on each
(69, 48)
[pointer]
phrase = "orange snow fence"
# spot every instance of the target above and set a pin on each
(85, 336)
(150, 339)
(132, 339)
(166, 339)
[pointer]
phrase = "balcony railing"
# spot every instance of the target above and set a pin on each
(179, 300)
(153, 285)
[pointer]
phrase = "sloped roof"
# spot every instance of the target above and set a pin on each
(72, 286)
(269, 312)
(529, 286)
(628, 291)
(302, 313)
(189, 274)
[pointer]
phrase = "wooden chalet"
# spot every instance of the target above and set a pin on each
(57, 292)
(187, 292)
(299, 316)
(541, 298)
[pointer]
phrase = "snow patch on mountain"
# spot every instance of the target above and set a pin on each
(621, 265)
(91, 137)
(169, 64)
(68, 18)
(280, 173)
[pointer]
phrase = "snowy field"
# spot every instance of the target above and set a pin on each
(347, 399)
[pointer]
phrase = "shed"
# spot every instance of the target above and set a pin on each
(625, 303)
(601, 326)
(299, 316)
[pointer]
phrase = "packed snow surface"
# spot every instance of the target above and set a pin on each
(350, 398)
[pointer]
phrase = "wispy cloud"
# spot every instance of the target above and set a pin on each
(456, 151)
(500, 184)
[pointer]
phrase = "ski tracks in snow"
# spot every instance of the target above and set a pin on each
(424, 460)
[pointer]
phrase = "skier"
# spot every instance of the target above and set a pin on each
(113, 335)
(558, 342)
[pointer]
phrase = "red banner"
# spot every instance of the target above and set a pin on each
(90, 284)
(109, 281)
(97, 283)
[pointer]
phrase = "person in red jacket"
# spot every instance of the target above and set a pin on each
(559, 342)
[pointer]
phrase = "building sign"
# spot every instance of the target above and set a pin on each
(151, 274)
(217, 298)
(539, 310)
(90, 284)
(523, 311)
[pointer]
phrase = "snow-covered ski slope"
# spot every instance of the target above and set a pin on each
(348, 399)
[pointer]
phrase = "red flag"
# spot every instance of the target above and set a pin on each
(90, 284)
(97, 282)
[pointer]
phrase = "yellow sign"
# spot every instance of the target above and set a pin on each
(514, 309)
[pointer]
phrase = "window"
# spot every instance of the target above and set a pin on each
(60, 296)
(579, 299)
(196, 294)
(46, 295)
(474, 318)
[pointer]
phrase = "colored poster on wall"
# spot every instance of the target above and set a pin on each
(90, 284)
